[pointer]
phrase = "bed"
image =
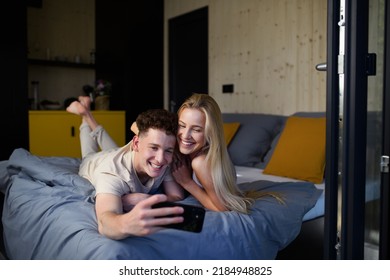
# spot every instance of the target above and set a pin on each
(49, 213)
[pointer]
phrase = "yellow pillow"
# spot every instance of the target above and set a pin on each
(230, 130)
(300, 152)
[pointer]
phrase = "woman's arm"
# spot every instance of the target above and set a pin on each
(205, 194)
(131, 199)
(173, 190)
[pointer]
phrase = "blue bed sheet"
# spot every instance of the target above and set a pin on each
(49, 214)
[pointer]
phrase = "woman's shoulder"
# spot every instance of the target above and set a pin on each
(199, 161)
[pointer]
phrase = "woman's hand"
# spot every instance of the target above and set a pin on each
(181, 169)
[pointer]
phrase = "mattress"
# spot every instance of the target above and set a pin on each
(251, 174)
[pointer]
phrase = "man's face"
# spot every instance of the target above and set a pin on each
(154, 152)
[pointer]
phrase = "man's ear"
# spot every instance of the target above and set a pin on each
(135, 143)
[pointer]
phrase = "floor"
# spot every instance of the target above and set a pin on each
(371, 252)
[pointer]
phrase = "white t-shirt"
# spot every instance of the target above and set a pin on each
(113, 172)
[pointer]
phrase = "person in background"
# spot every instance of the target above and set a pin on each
(203, 166)
(128, 177)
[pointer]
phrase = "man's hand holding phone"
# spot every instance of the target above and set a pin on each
(193, 216)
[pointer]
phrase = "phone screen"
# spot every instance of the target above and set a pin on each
(193, 216)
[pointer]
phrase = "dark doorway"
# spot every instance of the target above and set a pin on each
(14, 100)
(129, 44)
(188, 56)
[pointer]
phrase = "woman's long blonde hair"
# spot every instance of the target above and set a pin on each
(223, 172)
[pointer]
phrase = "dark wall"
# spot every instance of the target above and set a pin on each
(129, 52)
(13, 79)
(14, 94)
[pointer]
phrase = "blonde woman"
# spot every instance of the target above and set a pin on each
(204, 154)
(203, 166)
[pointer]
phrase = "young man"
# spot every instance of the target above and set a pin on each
(130, 175)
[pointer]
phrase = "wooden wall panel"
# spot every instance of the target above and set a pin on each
(267, 48)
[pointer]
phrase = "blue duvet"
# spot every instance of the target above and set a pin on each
(49, 214)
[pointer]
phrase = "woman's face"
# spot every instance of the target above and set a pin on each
(191, 132)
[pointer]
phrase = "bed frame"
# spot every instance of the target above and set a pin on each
(2, 249)
(309, 244)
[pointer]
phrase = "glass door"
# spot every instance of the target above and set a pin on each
(356, 197)
(375, 90)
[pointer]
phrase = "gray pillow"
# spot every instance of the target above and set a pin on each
(268, 155)
(253, 138)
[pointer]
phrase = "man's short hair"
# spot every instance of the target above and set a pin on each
(157, 119)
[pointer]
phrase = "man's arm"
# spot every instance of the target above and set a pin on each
(140, 221)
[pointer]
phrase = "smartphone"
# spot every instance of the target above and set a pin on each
(193, 216)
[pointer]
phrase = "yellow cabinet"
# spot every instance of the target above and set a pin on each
(56, 133)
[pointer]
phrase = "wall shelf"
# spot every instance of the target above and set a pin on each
(55, 63)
